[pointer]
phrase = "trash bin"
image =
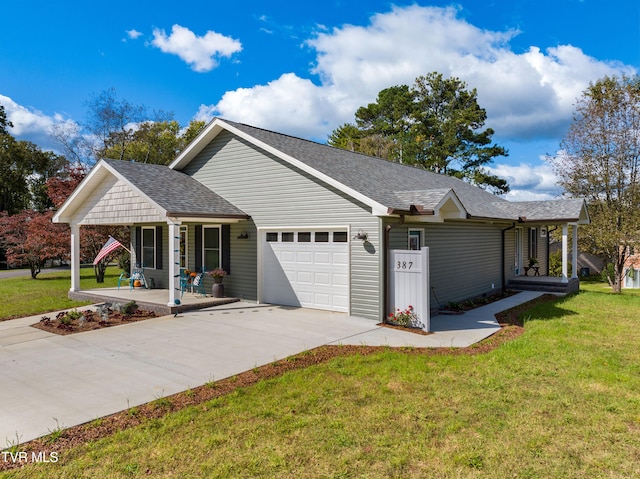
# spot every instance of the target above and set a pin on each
(584, 272)
(152, 283)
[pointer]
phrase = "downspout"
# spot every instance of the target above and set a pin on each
(504, 264)
(385, 276)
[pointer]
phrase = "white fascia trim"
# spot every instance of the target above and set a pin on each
(59, 217)
(451, 195)
(198, 143)
(103, 165)
(211, 132)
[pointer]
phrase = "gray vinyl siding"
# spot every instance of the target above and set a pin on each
(160, 277)
(241, 282)
(465, 260)
(276, 194)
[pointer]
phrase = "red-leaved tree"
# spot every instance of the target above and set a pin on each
(30, 238)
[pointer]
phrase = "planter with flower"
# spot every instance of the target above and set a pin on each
(406, 318)
(218, 288)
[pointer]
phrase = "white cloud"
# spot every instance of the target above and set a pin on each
(133, 34)
(199, 52)
(288, 104)
(32, 125)
(526, 95)
(528, 182)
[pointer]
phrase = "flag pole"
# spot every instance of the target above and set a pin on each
(128, 250)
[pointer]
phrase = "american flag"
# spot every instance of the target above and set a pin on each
(112, 244)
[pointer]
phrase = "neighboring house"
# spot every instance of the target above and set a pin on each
(287, 219)
(588, 264)
(632, 270)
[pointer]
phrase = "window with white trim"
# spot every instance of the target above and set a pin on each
(211, 248)
(415, 239)
(533, 243)
(148, 247)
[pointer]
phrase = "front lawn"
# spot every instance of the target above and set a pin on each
(24, 296)
(560, 401)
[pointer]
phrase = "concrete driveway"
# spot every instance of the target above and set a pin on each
(52, 381)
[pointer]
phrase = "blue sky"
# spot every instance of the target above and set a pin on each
(303, 68)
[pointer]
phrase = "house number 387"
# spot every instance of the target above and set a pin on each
(404, 264)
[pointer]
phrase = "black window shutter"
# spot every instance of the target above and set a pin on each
(198, 238)
(158, 247)
(138, 246)
(226, 248)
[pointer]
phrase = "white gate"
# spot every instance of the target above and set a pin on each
(409, 282)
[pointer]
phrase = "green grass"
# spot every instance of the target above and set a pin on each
(560, 401)
(24, 296)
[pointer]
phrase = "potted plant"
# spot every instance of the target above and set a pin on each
(217, 290)
(217, 275)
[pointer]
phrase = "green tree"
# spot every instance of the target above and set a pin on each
(436, 124)
(118, 129)
(25, 169)
(157, 142)
(599, 159)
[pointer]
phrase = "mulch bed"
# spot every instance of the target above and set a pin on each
(63, 324)
(74, 436)
(404, 328)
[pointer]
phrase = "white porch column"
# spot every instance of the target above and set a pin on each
(565, 253)
(574, 250)
(75, 257)
(174, 261)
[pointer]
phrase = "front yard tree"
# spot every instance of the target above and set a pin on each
(25, 169)
(599, 160)
(437, 124)
(30, 238)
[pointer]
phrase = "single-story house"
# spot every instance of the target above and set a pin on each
(631, 273)
(300, 223)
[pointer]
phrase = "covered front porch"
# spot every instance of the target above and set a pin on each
(176, 224)
(149, 299)
(533, 268)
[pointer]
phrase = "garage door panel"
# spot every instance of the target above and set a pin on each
(304, 257)
(287, 256)
(340, 258)
(322, 257)
(313, 275)
(340, 279)
(322, 279)
(305, 277)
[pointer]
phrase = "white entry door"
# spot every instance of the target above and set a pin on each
(306, 268)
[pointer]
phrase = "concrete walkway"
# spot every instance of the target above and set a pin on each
(52, 381)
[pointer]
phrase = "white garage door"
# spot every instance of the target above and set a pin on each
(306, 268)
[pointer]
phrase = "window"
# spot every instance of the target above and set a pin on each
(415, 239)
(183, 247)
(287, 237)
(533, 243)
(272, 237)
(149, 247)
(211, 247)
(304, 237)
(322, 237)
(340, 237)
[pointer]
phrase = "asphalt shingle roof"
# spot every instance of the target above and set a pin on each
(176, 192)
(399, 186)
